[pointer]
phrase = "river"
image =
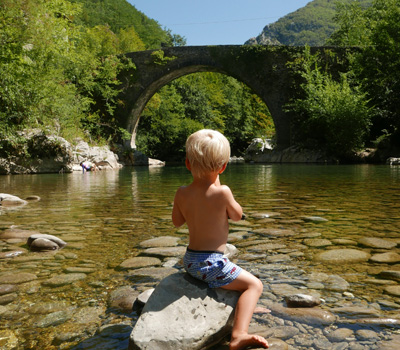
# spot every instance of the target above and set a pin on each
(103, 216)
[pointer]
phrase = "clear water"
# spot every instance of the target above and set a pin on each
(104, 215)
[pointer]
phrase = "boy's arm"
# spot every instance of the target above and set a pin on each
(177, 216)
(233, 208)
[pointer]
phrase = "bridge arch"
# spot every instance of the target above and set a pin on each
(262, 68)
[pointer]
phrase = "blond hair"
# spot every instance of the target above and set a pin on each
(207, 151)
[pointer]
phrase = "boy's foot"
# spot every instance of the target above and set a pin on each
(245, 340)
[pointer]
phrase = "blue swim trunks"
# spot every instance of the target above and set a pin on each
(211, 267)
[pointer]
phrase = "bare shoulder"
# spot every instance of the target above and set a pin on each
(225, 190)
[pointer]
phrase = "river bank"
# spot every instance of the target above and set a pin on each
(41, 153)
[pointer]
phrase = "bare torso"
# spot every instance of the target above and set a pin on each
(205, 206)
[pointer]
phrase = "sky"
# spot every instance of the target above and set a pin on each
(216, 22)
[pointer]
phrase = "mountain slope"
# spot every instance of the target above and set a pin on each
(311, 25)
(120, 14)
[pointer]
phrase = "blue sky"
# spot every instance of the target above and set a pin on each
(216, 22)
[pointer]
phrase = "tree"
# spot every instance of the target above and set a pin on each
(377, 66)
(333, 114)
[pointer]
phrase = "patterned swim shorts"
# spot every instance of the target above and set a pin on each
(211, 267)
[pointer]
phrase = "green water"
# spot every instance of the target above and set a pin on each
(104, 215)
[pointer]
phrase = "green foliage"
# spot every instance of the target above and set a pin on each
(158, 58)
(57, 75)
(333, 115)
(196, 101)
(120, 15)
(377, 67)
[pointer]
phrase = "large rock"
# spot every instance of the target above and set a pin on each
(183, 313)
(8, 200)
(52, 154)
(103, 157)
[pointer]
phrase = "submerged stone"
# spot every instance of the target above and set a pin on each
(342, 256)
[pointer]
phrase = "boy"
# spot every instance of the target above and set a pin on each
(205, 205)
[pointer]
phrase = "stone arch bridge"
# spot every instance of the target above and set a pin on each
(263, 68)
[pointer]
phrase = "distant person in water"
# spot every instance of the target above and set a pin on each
(205, 205)
(88, 166)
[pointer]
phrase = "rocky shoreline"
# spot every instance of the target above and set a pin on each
(346, 319)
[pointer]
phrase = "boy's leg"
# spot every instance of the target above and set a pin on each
(251, 288)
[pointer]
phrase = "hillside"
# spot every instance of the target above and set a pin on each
(120, 14)
(311, 25)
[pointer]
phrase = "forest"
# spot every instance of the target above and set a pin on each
(60, 61)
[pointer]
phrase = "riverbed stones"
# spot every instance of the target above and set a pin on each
(202, 316)
(393, 290)
(64, 279)
(390, 274)
(165, 251)
(8, 200)
(386, 258)
(163, 241)
(17, 233)
(139, 262)
(7, 288)
(315, 219)
(44, 242)
(154, 273)
(374, 242)
(302, 300)
(342, 256)
(17, 278)
(311, 316)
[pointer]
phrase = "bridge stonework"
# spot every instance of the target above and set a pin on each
(263, 68)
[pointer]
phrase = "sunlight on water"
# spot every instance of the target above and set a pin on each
(104, 216)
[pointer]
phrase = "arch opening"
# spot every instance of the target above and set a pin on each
(190, 99)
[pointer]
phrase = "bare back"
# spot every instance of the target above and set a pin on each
(205, 207)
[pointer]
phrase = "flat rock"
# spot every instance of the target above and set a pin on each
(313, 316)
(314, 219)
(374, 242)
(17, 233)
(7, 288)
(390, 275)
(201, 318)
(138, 262)
(164, 241)
(11, 254)
(302, 300)
(317, 242)
(393, 290)
(356, 311)
(342, 256)
(275, 232)
(17, 278)
(63, 279)
(386, 258)
(155, 273)
(165, 251)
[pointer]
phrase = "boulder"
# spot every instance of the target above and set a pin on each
(302, 300)
(44, 242)
(8, 200)
(52, 154)
(103, 157)
(183, 313)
